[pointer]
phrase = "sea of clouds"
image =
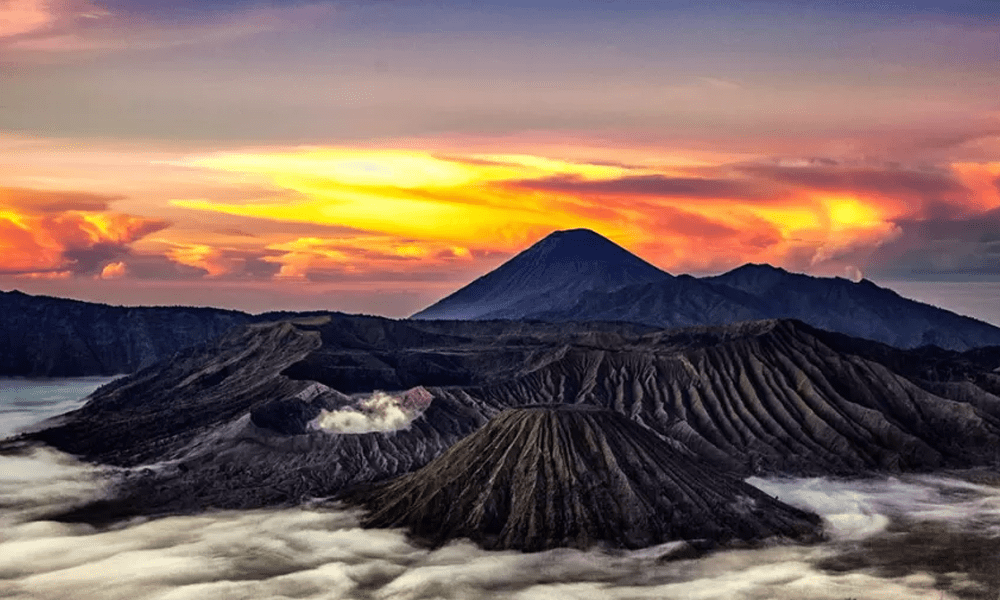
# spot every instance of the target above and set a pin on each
(319, 551)
(27, 401)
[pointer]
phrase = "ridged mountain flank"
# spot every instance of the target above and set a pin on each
(550, 476)
(550, 274)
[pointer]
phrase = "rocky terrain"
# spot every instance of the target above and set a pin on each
(279, 413)
(525, 433)
(600, 281)
(574, 475)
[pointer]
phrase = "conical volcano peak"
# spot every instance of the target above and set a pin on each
(580, 245)
(580, 234)
(547, 476)
(554, 271)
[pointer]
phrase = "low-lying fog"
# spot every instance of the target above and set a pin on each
(27, 401)
(901, 538)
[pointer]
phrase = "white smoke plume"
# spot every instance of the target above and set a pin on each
(378, 412)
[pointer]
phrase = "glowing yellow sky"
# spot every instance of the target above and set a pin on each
(468, 203)
(437, 218)
(407, 194)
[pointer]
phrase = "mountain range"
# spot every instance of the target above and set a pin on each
(267, 414)
(574, 275)
(578, 275)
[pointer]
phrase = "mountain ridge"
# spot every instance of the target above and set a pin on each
(45, 336)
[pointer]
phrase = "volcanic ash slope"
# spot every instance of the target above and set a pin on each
(550, 476)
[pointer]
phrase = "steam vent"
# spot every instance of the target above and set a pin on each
(543, 477)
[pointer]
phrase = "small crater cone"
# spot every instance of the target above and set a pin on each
(543, 477)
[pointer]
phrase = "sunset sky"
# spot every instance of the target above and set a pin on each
(372, 156)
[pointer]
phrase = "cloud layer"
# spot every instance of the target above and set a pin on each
(879, 544)
(320, 552)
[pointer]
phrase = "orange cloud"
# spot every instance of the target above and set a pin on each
(203, 257)
(23, 16)
(798, 213)
(44, 201)
(440, 217)
(68, 26)
(215, 257)
(20, 251)
(984, 180)
(115, 270)
(370, 256)
(44, 232)
(656, 185)
(24, 23)
(407, 194)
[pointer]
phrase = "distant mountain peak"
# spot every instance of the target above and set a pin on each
(759, 268)
(578, 233)
(555, 270)
(579, 275)
(578, 245)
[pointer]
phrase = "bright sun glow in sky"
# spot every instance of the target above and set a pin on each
(373, 157)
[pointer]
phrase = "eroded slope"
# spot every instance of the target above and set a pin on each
(573, 475)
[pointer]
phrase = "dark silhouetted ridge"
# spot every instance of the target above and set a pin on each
(860, 309)
(42, 336)
(569, 475)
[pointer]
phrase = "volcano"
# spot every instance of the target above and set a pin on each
(549, 275)
(578, 275)
(549, 476)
